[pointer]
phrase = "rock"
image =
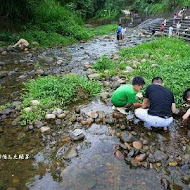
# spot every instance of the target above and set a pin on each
(58, 121)
(143, 60)
(38, 124)
(109, 119)
(44, 129)
(127, 137)
(6, 111)
(146, 55)
(71, 153)
(49, 116)
(118, 115)
(61, 116)
(165, 183)
(175, 187)
(174, 163)
(57, 111)
(94, 76)
(1, 49)
(160, 156)
(10, 48)
(31, 127)
(121, 81)
(118, 154)
(35, 44)
(154, 65)
(92, 114)
(16, 121)
(141, 157)
(27, 109)
(22, 44)
(115, 85)
(138, 145)
(39, 72)
(186, 179)
(129, 69)
(4, 53)
(3, 74)
(77, 110)
(104, 95)
(35, 102)
(48, 60)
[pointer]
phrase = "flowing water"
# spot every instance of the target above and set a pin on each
(35, 161)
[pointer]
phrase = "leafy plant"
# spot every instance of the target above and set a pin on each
(54, 91)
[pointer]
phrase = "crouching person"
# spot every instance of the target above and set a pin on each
(162, 105)
(186, 97)
(125, 96)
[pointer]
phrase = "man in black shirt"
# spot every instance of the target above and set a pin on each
(162, 105)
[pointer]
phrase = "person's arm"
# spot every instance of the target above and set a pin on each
(174, 109)
(137, 104)
(145, 103)
(186, 115)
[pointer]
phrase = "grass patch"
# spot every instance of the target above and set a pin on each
(102, 30)
(55, 92)
(171, 55)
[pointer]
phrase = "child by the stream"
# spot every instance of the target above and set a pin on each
(186, 97)
(125, 96)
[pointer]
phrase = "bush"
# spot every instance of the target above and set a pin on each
(54, 91)
(104, 64)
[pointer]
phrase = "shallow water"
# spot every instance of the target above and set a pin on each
(95, 166)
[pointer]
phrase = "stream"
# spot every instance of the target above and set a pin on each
(30, 159)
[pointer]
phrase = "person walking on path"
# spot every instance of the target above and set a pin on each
(170, 31)
(178, 26)
(162, 105)
(119, 33)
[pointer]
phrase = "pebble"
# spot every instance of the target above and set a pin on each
(138, 145)
(140, 157)
(44, 129)
(35, 102)
(186, 179)
(174, 163)
(50, 116)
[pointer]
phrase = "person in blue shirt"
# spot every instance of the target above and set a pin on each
(119, 33)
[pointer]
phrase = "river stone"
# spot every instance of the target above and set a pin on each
(138, 145)
(3, 74)
(39, 72)
(27, 109)
(1, 49)
(94, 76)
(30, 127)
(35, 102)
(38, 124)
(78, 137)
(175, 187)
(174, 163)
(50, 116)
(109, 119)
(115, 84)
(44, 129)
(129, 69)
(186, 179)
(57, 111)
(140, 157)
(92, 114)
(154, 65)
(127, 137)
(47, 59)
(6, 111)
(160, 156)
(71, 153)
(62, 116)
(4, 53)
(104, 95)
(16, 121)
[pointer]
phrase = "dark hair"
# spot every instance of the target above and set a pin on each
(157, 80)
(138, 80)
(186, 94)
(120, 24)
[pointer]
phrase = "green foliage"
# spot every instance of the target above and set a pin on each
(102, 30)
(54, 91)
(104, 64)
(6, 36)
(170, 54)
